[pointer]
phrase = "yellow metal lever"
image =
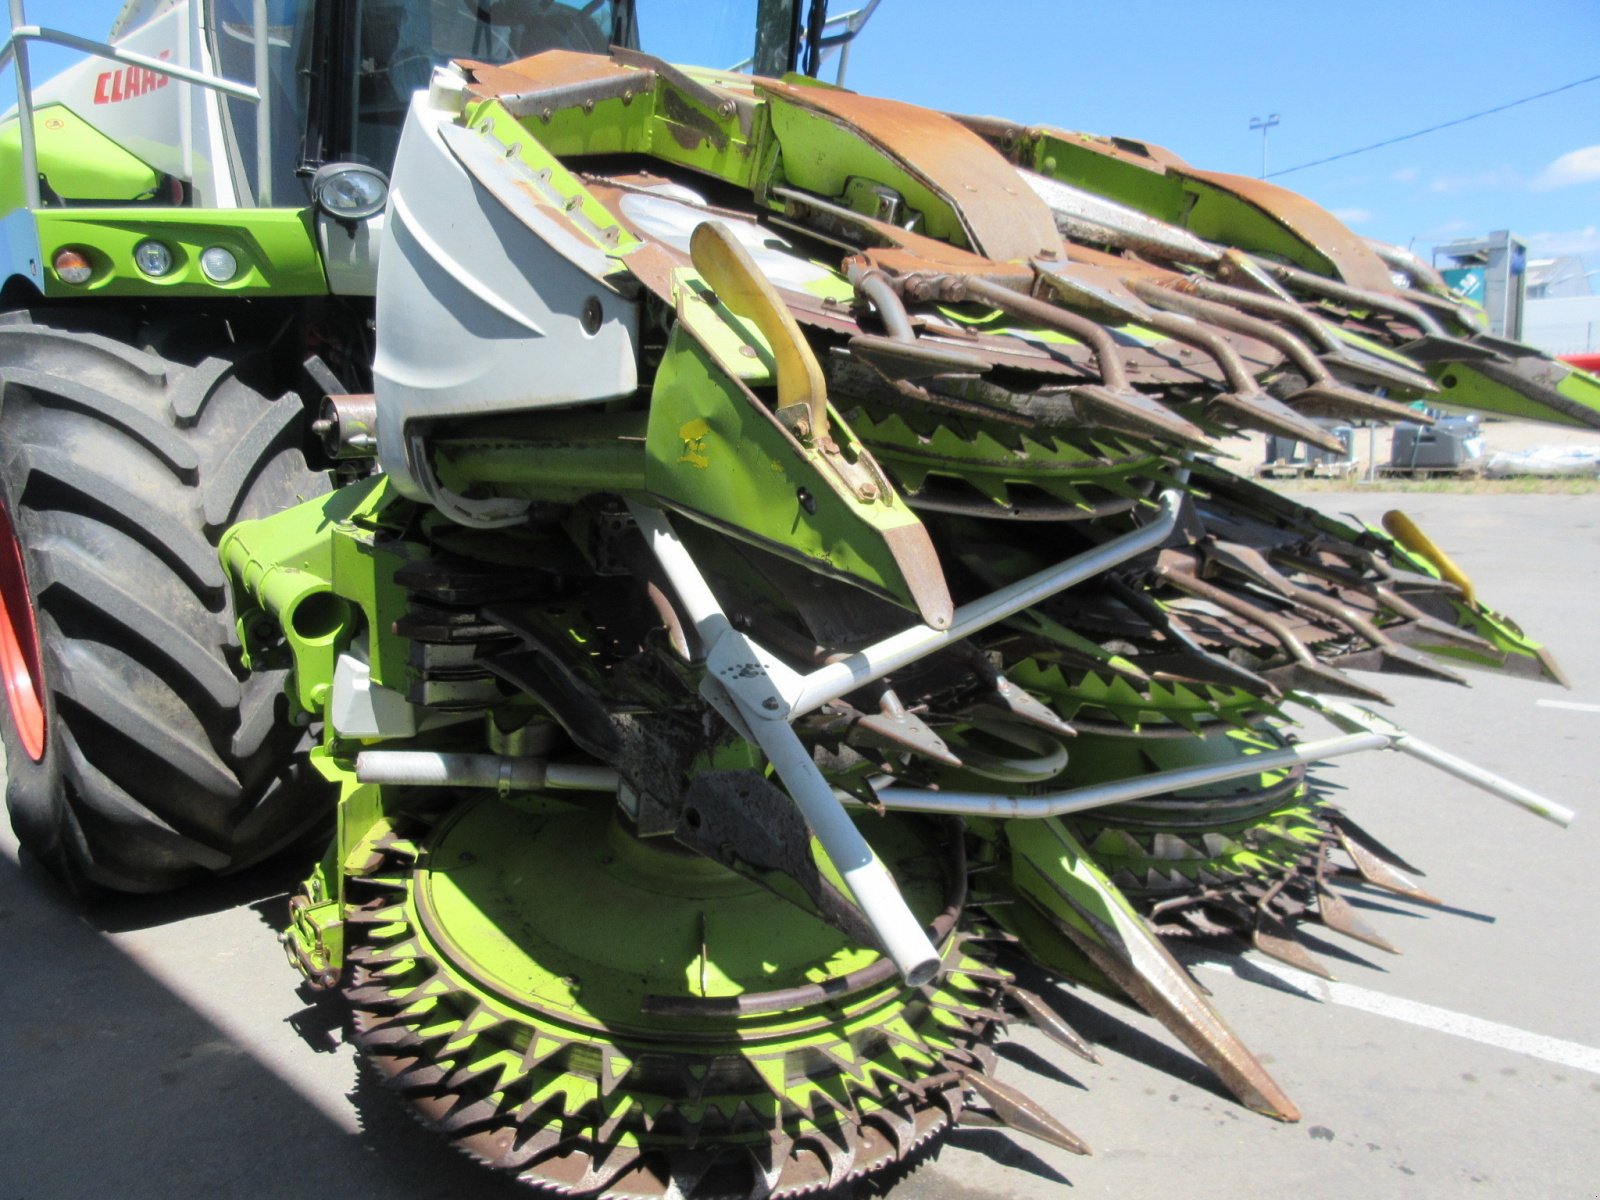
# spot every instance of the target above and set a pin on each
(1404, 530)
(733, 275)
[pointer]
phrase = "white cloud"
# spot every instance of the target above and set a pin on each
(1497, 177)
(1570, 241)
(1573, 167)
(1407, 175)
(1352, 216)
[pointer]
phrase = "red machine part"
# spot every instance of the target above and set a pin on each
(19, 645)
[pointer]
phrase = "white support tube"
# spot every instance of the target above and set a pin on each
(30, 152)
(1120, 791)
(755, 697)
(893, 652)
(1350, 716)
(1495, 785)
(581, 777)
(263, 47)
(904, 940)
(699, 601)
(504, 773)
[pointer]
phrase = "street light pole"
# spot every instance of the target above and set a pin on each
(1258, 123)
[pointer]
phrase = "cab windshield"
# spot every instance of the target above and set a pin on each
(342, 72)
(401, 41)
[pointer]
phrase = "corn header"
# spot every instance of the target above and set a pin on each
(747, 575)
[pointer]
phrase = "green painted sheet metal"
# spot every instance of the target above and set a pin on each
(319, 573)
(1193, 204)
(276, 249)
(1574, 396)
(821, 155)
(715, 454)
(76, 159)
(495, 122)
(665, 122)
(560, 457)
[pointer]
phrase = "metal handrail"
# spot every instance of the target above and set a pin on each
(14, 52)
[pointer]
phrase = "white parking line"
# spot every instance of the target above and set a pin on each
(1569, 705)
(1427, 1016)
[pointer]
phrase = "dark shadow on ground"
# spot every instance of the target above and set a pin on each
(117, 1086)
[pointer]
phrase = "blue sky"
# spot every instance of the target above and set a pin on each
(1191, 76)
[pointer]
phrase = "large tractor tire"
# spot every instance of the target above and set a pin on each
(140, 755)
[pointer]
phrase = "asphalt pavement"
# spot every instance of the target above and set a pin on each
(161, 1048)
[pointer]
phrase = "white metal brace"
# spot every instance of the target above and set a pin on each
(760, 696)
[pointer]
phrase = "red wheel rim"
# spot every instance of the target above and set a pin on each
(19, 645)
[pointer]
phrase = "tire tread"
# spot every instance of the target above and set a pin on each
(165, 761)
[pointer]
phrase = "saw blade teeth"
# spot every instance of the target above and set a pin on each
(900, 1129)
(1171, 846)
(836, 1147)
(492, 1147)
(614, 1068)
(541, 1046)
(1112, 842)
(582, 1114)
(768, 1165)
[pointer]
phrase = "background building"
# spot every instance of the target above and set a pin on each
(1562, 315)
(1547, 302)
(1491, 271)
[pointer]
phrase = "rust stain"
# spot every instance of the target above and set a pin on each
(1355, 262)
(552, 69)
(1000, 213)
(688, 124)
(1147, 155)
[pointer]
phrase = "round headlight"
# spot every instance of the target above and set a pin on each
(72, 266)
(350, 191)
(152, 257)
(218, 264)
